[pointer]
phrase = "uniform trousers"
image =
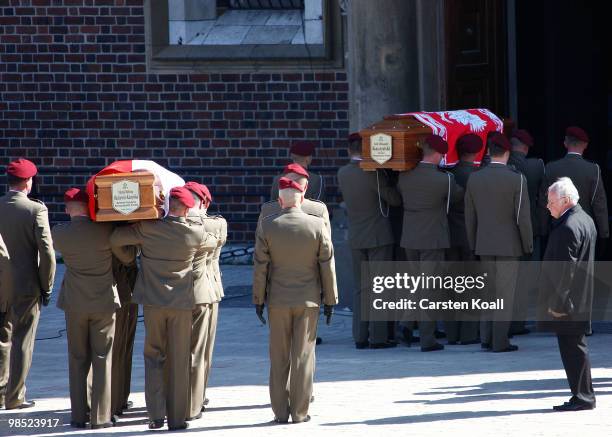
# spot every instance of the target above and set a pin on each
(210, 344)
(461, 329)
(200, 324)
(123, 348)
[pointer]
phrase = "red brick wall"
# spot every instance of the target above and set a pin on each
(75, 95)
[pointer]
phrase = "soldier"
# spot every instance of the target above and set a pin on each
(165, 288)
(205, 294)
(125, 330)
(25, 229)
(498, 226)
(89, 299)
(367, 196)
(301, 154)
(533, 170)
(468, 146)
(4, 303)
(293, 271)
(585, 175)
(427, 195)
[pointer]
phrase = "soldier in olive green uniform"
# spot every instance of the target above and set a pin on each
(468, 146)
(301, 154)
(205, 296)
(293, 271)
(89, 299)
(427, 195)
(585, 175)
(533, 170)
(367, 196)
(165, 288)
(25, 229)
(498, 225)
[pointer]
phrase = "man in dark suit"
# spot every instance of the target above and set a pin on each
(567, 288)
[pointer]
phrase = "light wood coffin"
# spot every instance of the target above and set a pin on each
(127, 196)
(406, 135)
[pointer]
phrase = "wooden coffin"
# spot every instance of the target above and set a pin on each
(406, 135)
(127, 196)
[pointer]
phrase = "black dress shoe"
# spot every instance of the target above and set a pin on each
(465, 343)
(77, 424)
(485, 345)
(435, 347)
(102, 425)
(199, 416)
(510, 348)
(184, 425)
(25, 404)
(361, 345)
(574, 406)
(319, 340)
(385, 345)
(156, 424)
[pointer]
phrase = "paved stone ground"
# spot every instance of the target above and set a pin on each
(460, 391)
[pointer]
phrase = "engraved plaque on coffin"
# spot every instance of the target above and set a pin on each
(126, 196)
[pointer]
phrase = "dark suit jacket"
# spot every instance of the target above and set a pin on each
(566, 279)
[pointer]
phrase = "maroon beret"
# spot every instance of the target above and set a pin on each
(22, 168)
(437, 143)
(284, 183)
(302, 148)
(76, 195)
(578, 133)
(523, 136)
(469, 143)
(354, 137)
(183, 195)
(297, 169)
(500, 140)
(199, 190)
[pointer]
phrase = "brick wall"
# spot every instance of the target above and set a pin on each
(75, 95)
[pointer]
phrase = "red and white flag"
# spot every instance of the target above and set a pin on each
(451, 125)
(165, 180)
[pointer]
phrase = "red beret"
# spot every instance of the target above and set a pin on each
(469, 143)
(183, 195)
(437, 143)
(354, 137)
(578, 133)
(22, 168)
(297, 169)
(284, 183)
(523, 136)
(76, 195)
(199, 190)
(302, 148)
(500, 140)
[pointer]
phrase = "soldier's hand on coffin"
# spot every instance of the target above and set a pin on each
(259, 311)
(328, 310)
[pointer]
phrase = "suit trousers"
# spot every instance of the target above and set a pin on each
(166, 357)
(17, 335)
(200, 324)
(526, 287)
(123, 347)
(427, 327)
(464, 331)
(502, 274)
(577, 365)
(210, 344)
(90, 345)
(293, 333)
(364, 330)
(5, 356)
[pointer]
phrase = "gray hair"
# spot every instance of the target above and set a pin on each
(564, 187)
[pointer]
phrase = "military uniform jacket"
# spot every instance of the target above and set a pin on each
(203, 286)
(88, 285)
(309, 206)
(586, 176)
(456, 216)
(566, 279)
(24, 225)
(427, 194)
(315, 190)
(294, 262)
(167, 248)
(497, 215)
(4, 275)
(217, 256)
(367, 213)
(533, 169)
(217, 226)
